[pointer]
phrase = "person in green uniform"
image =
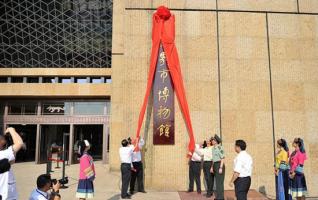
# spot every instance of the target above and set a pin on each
(218, 167)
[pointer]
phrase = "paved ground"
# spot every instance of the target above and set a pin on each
(106, 184)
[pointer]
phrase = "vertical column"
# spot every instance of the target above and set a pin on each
(37, 144)
(105, 142)
(71, 143)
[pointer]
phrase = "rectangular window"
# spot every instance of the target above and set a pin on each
(108, 107)
(96, 80)
(15, 108)
(30, 108)
(89, 108)
(65, 80)
(3, 79)
(2, 106)
(32, 79)
(108, 80)
(49, 80)
(81, 80)
(16, 79)
(56, 108)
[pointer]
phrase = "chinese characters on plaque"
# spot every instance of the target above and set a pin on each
(163, 102)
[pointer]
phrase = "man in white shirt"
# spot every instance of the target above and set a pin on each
(8, 189)
(243, 166)
(195, 169)
(138, 172)
(207, 164)
(125, 153)
(44, 183)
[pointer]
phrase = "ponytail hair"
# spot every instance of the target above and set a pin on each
(300, 143)
(302, 146)
(282, 142)
(81, 147)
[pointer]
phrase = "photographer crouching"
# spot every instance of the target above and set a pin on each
(10, 144)
(44, 184)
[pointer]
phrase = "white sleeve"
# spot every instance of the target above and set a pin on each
(8, 154)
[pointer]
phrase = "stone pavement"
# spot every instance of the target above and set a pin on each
(107, 184)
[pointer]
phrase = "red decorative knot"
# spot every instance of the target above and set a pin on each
(163, 12)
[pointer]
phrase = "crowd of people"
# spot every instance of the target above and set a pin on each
(209, 156)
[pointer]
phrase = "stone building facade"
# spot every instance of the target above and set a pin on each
(250, 72)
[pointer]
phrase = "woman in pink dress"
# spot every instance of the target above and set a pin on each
(85, 189)
(298, 187)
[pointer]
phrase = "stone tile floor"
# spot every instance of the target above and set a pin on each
(107, 184)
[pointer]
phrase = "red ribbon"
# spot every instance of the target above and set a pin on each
(163, 31)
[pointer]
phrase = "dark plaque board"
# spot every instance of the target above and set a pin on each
(163, 103)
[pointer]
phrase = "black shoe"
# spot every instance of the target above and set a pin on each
(208, 195)
(142, 191)
(127, 197)
(189, 191)
(131, 192)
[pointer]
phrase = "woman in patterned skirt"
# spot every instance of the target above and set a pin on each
(298, 187)
(85, 189)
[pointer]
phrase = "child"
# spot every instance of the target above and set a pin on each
(85, 187)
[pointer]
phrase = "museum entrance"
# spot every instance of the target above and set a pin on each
(92, 133)
(51, 136)
(28, 135)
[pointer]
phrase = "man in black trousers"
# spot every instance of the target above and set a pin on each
(195, 169)
(125, 153)
(243, 165)
(138, 172)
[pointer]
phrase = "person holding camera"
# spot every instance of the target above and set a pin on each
(8, 151)
(44, 185)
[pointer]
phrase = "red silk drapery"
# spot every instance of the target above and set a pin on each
(163, 31)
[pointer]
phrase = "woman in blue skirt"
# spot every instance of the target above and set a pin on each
(298, 186)
(85, 188)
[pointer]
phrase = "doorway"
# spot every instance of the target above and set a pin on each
(51, 136)
(92, 133)
(28, 135)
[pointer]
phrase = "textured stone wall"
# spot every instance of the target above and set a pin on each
(242, 75)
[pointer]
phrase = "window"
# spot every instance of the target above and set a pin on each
(81, 80)
(108, 107)
(30, 108)
(2, 106)
(15, 108)
(108, 80)
(49, 80)
(65, 80)
(56, 108)
(32, 79)
(89, 108)
(96, 80)
(61, 33)
(22, 108)
(3, 79)
(16, 79)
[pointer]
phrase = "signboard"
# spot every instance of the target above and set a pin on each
(163, 103)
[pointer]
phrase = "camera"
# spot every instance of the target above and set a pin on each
(62, 181)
